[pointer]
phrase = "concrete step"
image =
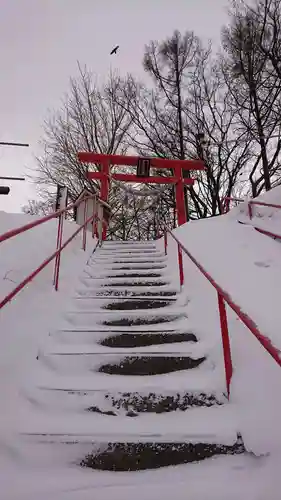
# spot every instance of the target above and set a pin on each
(121, 338)
(132, 456)
(115, 259)
(121, 364)
(118, 403)
(129, 340)
(89, 290)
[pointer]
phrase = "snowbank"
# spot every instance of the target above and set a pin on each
(247, 265)
(27, 320)
(265, 218)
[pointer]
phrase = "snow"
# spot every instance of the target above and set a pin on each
(51, 325)
(247, 265)
(266, 218)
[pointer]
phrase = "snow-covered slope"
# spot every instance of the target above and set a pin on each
(265, 218)
(246, 264)
(26, 321)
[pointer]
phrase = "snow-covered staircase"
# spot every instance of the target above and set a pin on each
(124, 380)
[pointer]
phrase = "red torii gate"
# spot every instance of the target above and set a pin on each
(142, 176)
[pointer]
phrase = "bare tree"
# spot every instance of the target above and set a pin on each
(250, 45)
(215, 137)
(39, 207)
(89, 120)
(190, 98)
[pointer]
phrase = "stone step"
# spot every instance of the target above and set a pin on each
(128, 292)
(125, 244)
(124, 457)
(135, 283)
(116, 363)
(128, 340)
(97, 272)
(121, 404)
(150, 441)
(211, 424)
(197, 380)
(129, 275)
(128, 305)
(129, 267)
(137, 321)
(123, 304)
(140, 316)
(127, 260)
(94, 452)
(150, 365)
(90, 299)
(120, 337)
(129, 251)
(133, 403)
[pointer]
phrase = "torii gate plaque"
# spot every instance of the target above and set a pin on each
(143, 174)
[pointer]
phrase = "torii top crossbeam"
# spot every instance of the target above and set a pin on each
(143, 163)
(133, 161)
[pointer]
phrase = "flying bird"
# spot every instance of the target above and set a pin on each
(114, 51)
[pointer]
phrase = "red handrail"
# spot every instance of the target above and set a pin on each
(225, 202)
(42, 220)
(250, 202)
(30, 277)
(59, 247)
(223, 297)
(225, 208)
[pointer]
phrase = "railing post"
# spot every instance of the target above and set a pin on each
(59, 243)
(225, 342)
(165, 241)
(100, 225)
(250, 210)
(85, 225)
(94, 216)
(180, 265)
(104, 225)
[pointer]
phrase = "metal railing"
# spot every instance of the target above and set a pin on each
(97, 220)
(223, 298)
(251, 203)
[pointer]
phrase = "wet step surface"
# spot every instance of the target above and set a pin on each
(135, 283)
(131, 293)
(129, 340)
(133, 275)
(135, 321)
(140, 456)
(134, 403)
(137, 304)
(150, 365)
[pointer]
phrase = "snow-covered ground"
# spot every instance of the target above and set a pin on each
(243, 262)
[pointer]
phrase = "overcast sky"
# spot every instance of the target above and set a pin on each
(41, 41)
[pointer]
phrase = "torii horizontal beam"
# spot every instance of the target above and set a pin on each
(133, 178)
(133, 161)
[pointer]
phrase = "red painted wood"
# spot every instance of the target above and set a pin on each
(180, 265)
(263, 340)
(85, 157)
(180, 203)
(42, 266)
(135, 179)
(225, 342)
